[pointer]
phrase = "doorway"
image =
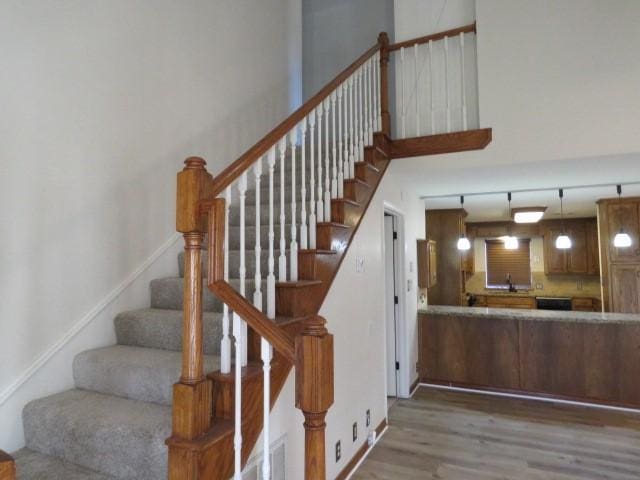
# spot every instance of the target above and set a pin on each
(391, 302)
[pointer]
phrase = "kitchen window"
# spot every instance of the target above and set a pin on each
(506, 266)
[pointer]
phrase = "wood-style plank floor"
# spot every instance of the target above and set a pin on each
(464, 436)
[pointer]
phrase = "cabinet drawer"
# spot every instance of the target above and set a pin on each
(581, 303)
(510, 302)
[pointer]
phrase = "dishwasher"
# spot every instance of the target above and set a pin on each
(553, 303)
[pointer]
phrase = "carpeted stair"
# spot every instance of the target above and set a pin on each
(115, 422)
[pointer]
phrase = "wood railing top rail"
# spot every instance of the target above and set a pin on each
(268, 329)
(233, 171)
(434, 36)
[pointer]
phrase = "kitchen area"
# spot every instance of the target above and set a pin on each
(520, 294)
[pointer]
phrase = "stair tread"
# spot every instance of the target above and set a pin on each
(333, 224)
(32, 465)
(161, 328)
(368, 165)
(112, 435)
(317, 251)
(138, 373)
(298, 283)
(359, 181)
(346, 200)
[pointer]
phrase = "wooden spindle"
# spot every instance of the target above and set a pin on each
(304, 241)
(293, 249)
(365, 102)
(446, 82)
(352, 146)
(257, 278)
(266, 354)
(334, 151)
(312, 186)
(360, 104)
(403, 116)
(417, 87)
(345, 155)
(282, 259)
(271, 278)
(376, 83)
(383, 40)
(225, 342)
(370, 100)
(463, 89)
(340, 157)
(237, 436)
(431, 90)
(327, 165)
(314, 391)
(320, 203)
(242, 190)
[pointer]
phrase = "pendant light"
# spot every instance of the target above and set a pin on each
(622, 239)
(510, 242)
(463, 242)
(563, 242)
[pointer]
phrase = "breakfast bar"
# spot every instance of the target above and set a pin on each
(582, 356)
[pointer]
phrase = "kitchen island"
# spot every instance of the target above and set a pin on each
(583, 356)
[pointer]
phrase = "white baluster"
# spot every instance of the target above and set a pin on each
(417, 91)
(345, 155)
(340, 157)
(237, 437)
(431, 99)
(334, 152)
(370, 101)
(242, 189)
(446, 81)
(282, 259)
(266, 355)
(361, 114)
(257, 278)
(304, 242)
(365, 102)
(462, 83)
(327, 164)
(352, 146)
(376, 76)
(403, 115)
(225, 343)
(320, 203)
(293, 249)
(312, 168)
(271, 278)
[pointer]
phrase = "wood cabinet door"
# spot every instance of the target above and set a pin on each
(593, 254)
(624, 215)
(625, 291)
(577, 261)
(555, 259)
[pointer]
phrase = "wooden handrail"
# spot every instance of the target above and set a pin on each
(233, 171)
(434, 36)
(258, 321)
(7, 467)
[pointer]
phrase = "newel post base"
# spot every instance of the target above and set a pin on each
(314, 391)
(7, 467)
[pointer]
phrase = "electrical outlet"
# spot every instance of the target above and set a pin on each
(417, 367)
(368, 417)
(355, 431)
(539, 286)
(359, 264)
(338, 451)
(371, 438)
(579, 285)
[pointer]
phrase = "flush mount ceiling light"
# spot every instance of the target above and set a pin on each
(463, 241)
(510, 242)
(563, 242)
(622, 239)
(528, 214)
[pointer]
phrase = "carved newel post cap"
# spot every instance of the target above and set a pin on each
(194, 163)
(383, 38)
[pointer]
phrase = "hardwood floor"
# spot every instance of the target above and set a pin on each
(463, 436)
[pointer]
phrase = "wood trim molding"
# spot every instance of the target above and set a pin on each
(441, 143)
(360, 453)
(434, 37)
(414, 386)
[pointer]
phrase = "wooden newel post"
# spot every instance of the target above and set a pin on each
(7, 467)
(314, 391)
(192, 404)
(383, 40)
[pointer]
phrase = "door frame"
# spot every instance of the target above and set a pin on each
(402, 350)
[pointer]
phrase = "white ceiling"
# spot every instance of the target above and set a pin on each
(456, 174)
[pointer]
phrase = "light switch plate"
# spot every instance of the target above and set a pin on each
(359, 264)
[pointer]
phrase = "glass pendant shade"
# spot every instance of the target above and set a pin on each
(622, 240)
(563, 242)
(511, 243)
(463, 243)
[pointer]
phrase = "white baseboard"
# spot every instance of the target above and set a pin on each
(85, 320)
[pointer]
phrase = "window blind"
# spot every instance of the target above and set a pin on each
(502, 262)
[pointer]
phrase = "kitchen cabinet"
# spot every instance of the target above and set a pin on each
(624, 215)
(581, 258)
(522, 302)
(427, 263)
(625, 287)
(586, 304)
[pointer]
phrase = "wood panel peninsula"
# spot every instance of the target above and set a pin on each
(583, 356)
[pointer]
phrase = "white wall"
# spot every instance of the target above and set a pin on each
(558, 83)
(336, 33)
(101, 102)
(416, 18)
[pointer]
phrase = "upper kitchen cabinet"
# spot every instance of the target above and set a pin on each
(582, 257)
(624, 215)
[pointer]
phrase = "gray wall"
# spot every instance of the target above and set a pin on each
(335, 33)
